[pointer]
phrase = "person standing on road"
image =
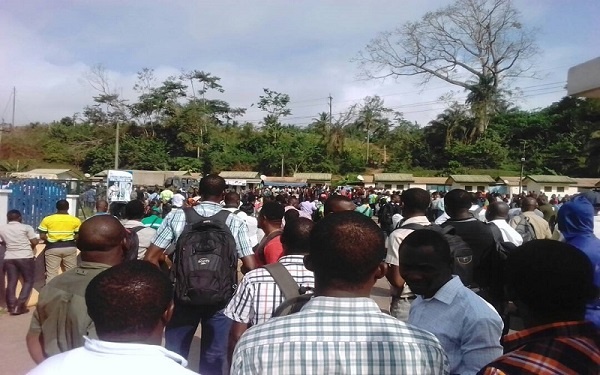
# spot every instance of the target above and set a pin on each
(19, 262)
(59, 231)
(60, 319)
(186, 317)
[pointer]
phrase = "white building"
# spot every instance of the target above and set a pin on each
(430, 184)
(238, 180)
(393, 181)
(471, 183)
(550, 184)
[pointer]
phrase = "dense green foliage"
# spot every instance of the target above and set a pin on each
(171, 128)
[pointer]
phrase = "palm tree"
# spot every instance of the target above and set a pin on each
(484, 96)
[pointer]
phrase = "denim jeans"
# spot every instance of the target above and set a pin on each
(14, 268)
(213, 341)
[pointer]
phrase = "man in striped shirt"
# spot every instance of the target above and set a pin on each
(341, 330)
(258, 295)
(551, 283)
(215, 325)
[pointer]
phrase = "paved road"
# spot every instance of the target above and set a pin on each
(16, 360)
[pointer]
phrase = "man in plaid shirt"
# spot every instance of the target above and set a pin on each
(550, 282)
(215, 325)
(341, 330)
(258, 295)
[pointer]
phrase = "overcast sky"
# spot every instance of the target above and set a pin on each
(302, 48)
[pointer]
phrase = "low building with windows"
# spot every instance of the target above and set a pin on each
(585, 184)
(507, 185)
(48, 174)
(468, 182)
(314, 178)
(550, 184)
(430, 184)
(393, 181)
(238, 180)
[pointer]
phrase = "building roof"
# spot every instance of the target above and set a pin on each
(150, 178)
(470, 179)
(431, 180)
(393, 177)
(313, 176)
(368, 178)
(508, 180)
(550, 179)
(49, 173)
(242, 175)
(587, 182)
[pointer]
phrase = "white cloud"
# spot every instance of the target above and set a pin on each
(302, 48)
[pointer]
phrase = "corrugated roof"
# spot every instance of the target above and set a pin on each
(431, 180)
(549, 179)
(284, 179)
(393, 177)
(470, 178)
(509, 180)
(240, 174)
(313, 176)
(48, 171)
(368, 178)
(587, 182)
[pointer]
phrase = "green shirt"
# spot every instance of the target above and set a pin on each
(61, 313)
(152, 221)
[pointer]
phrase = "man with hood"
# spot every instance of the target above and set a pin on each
(576, 223)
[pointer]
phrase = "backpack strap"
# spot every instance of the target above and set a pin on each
(137, 229)
(191, 215)
(413, 226)
(289, 287)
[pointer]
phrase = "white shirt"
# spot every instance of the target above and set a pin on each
(145, 235)
(17, 239)
(98, 357)
(442, 219)
(508, 233)
(251, 223)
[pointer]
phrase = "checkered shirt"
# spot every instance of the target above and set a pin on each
(173, 224)
(338, 336)
(258, 295)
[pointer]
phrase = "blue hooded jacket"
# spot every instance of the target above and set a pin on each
(576, 223)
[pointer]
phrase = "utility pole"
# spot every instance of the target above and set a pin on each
(13, 111)
(117, 147)
(282, 159)
(384, 154)
(330, 114)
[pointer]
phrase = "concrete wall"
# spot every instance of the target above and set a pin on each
(395, 186)
(549, 188)
(4, 194)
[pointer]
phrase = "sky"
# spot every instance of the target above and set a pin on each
(302, 48)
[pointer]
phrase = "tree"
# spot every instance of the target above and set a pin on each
(371, 118)
(275, 105)
(467, 43)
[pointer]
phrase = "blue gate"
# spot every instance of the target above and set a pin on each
(35, 198)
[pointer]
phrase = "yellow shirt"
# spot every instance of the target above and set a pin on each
(60, 227)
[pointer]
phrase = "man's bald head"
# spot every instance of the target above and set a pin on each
(496, 211)
(101, 233)
(528, 204)
(338, 203)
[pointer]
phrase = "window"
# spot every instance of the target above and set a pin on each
(547, 189)
(524, 187)
(560, 189)
(468, 188)
(480, 188)
(400, 187)
(387, 186)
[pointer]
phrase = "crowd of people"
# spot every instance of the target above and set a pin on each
(280, 279)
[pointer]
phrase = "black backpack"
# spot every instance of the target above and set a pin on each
(462, 253)
(295, 296)
(205, 261)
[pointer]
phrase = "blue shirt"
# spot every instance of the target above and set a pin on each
(468, 328)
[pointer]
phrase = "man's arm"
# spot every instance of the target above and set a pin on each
(35, 346)
(154, 254)
(236, 331)
(393, 276)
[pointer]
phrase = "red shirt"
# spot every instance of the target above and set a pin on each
(273, 250)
